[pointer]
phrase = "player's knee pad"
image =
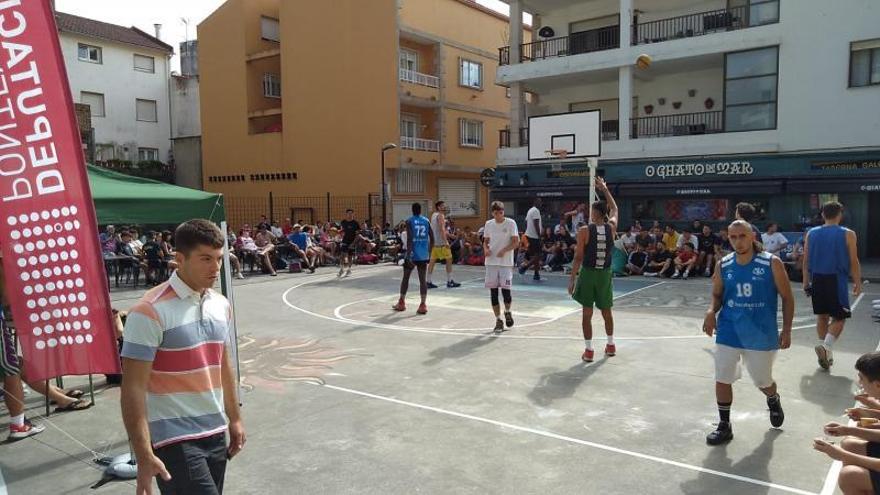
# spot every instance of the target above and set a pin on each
(493, 294)
(505, 294)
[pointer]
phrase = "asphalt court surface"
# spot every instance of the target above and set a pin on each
(343, 395)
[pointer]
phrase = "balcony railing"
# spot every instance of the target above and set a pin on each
(414, 77)
(702, 23)
(419, 144)
(683, 124)
(504, 137)
(594, 40)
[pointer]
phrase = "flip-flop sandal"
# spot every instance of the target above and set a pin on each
(73, 394)
(77, 405)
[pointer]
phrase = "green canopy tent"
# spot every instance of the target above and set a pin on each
(126, 199)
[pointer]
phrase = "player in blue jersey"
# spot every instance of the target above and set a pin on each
(746, 287)
(830, 259)
(419, 242)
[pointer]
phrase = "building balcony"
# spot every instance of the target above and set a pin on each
(418, 151)
(419, 86)
(683, 124)
(594, 40)
(705, 23)
(419, 144)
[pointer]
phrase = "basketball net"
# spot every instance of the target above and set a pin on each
(559, 154)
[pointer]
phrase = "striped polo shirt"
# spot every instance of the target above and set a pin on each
(184, 334)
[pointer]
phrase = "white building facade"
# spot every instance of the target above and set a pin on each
(123, 75)
(774, 102)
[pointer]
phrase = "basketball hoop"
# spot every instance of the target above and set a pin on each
(560, 153)
(556, 155)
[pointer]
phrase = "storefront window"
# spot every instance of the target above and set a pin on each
(643, 210)
(688, 210)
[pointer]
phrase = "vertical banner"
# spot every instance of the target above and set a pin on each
(54, 273)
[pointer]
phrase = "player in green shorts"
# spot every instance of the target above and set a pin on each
(590, 283)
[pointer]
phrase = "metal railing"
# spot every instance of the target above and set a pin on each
(594, 40)
(702, 23)
(419, 144)
(504, 137)
(683, 124)
(414, 77)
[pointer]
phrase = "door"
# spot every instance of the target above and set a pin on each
(409, 130)
(461, 197)
(409, 60)
(873, 219)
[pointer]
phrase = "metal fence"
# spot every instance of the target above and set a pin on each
(307, 209)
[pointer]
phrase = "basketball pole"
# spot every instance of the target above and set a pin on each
(591, 165)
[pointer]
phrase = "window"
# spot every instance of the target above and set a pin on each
(864, 63)
(409, 60)
(471, 133)
(148, 154)
(409, 126)
(95, 101)
(144, 63)
(147, 111)
(750, 89)
(271, 85)
(89, 53)
(270, 29)
(470, 74)
(410, 181)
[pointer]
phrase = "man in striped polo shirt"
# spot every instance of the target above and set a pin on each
(179, 386)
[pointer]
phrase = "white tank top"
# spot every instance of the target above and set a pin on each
(439, 239)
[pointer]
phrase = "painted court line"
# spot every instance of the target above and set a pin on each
(466, 332)
(577, 441)
(830, 484)
(2, 484)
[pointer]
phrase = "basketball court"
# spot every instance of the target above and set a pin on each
(344, 395)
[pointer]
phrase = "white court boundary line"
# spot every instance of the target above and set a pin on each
(834, 471)
(2, 484)
(577, 441)
(467, 332)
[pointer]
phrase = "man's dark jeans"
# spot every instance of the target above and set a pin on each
(197, 467)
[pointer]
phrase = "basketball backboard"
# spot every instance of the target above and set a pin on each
(578, 133)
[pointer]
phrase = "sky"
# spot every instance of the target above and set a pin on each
(170, 13)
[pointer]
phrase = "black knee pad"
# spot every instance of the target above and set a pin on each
(493, 294)
(505, 294)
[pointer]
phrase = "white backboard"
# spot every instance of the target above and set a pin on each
(576, 132)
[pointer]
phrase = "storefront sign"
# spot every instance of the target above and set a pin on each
(552, 194)
(693, 191)
(699, 169)
(870, 188)
(563, 174)
(54, 274)
(848, 165)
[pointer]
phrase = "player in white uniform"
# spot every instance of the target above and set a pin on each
(500, 240)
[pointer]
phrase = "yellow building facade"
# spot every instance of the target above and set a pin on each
(299, 97)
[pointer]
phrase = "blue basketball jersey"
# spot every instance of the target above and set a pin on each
(421, 240)
(748, 315)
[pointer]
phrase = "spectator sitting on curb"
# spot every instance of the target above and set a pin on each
(685, 261)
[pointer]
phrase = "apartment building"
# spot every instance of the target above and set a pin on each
(122, 74)
(774, 102)
(299, 99)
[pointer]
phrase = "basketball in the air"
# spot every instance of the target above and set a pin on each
(644, 61)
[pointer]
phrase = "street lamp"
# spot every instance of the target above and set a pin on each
(386, 147)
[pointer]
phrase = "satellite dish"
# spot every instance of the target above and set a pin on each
(546, 32)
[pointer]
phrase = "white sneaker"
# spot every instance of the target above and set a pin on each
(676, 275)
(341, 271)
(239, 276)
(650, 274)
(348, 272)
(28, 429)
(685, 276)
